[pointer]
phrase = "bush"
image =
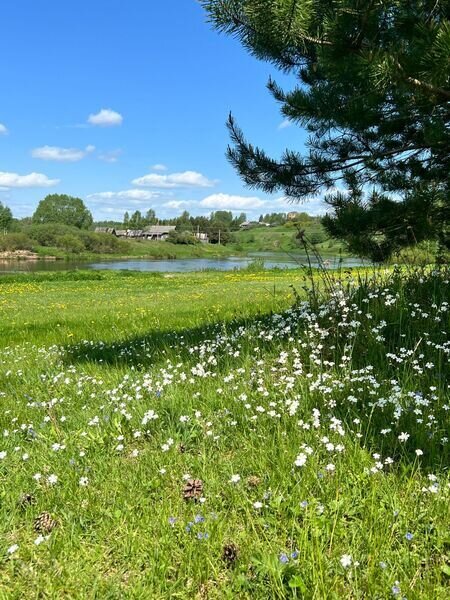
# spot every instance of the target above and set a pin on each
(50, 233)
(70, 243)
(15, 241)
(182, 237)
(102, 243)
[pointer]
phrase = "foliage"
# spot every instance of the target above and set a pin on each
(63, 209)
(6, 218)
(15, 241)
(373, 95)
(70, 243)
(181, 237)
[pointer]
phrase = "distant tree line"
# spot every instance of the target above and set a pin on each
(64, 222)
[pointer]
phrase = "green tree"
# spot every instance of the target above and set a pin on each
(183, 222)
(150, 217)
(126, 219)
(136, 221)
(373, 95)
(6, 218)
(67, 210)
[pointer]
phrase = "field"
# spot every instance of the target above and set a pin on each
(282, 239)
(245, 435)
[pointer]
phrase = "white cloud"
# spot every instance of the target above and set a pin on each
(230, 202)
(285, 124)
(106, 118)
(187, 179)
(3, 129)
(176, 204)
(111, 156)
(158, 167)
(140, 195)
(61, 154)
(13, 180)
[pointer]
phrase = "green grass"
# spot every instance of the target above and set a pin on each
(282, 239)
(144, 249)
(242, 384)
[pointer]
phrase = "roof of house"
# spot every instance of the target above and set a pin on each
(105, 230)
(159, 229)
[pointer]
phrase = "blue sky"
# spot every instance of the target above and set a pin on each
(124, 105)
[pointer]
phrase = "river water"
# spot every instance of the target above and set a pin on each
(179, 265)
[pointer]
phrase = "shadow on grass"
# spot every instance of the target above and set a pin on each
(156, 347)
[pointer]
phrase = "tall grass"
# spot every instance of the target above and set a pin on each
(319, 431)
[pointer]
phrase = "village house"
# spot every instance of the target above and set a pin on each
(109, 230)
(158, 232)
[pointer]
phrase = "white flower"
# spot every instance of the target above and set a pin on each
(257, 505)
(300, 460)
(84, 481)
(403, 437)
(52, 479)
(39, 540)
(37, 476)
(346, 560)
(3, 454)
(13, 549)
(235, 478)
(419, 452)
(330, 467)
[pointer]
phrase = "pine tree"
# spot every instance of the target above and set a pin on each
(374, 96)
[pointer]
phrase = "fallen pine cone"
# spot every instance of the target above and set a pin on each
(230, 553)
(44, 523)
(26, 500)
(254, 481)
(193, 489)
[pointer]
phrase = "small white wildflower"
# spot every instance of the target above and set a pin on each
(300, 461)
(13, 549)
(39, 540)
(235, 478)
(403, 437)
(84, 481)
(257, 504)
(52, 479)
(346, 560)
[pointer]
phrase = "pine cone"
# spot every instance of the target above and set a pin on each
(44, 523)
(193, 489)
(254, 481)
(230, 553)
(26, 500)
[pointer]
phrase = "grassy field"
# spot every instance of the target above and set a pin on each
(317, 429)
(282, 239)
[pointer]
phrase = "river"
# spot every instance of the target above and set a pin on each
(179, 265)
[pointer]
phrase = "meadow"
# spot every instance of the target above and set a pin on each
(215, 435)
